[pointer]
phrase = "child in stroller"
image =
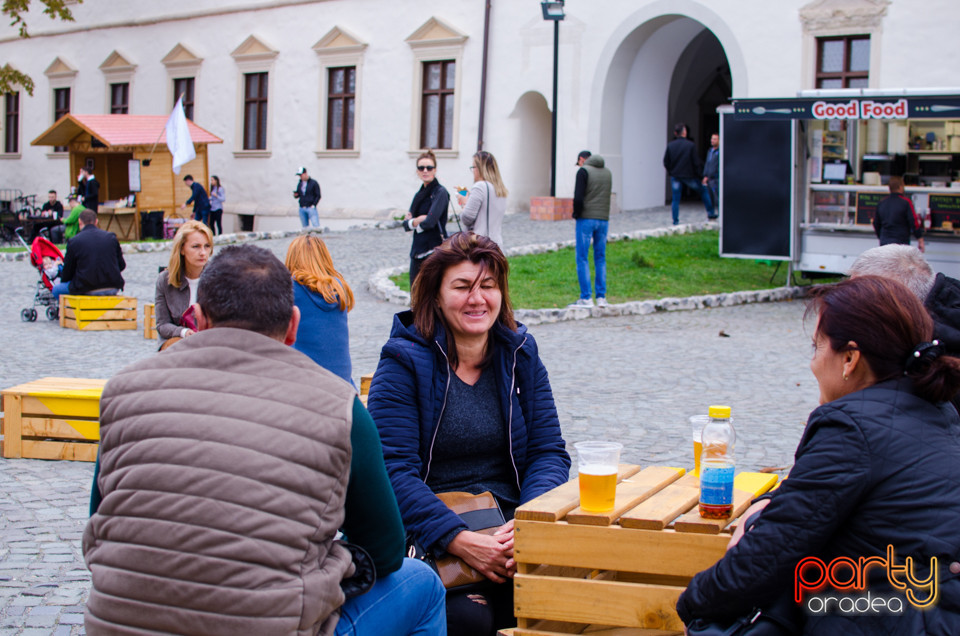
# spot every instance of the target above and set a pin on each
(48, 260)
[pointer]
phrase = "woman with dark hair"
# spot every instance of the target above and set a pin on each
(217, 196)
(486, 204)
(427, 218)
(875, 479)
(463, 403)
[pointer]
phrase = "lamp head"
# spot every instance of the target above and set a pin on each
(552, 10)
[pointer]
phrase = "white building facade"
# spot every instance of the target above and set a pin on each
(353, 89)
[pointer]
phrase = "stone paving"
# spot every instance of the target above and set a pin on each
(633, 379)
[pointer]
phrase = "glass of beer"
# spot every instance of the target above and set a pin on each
(697, 422)
(598, 463)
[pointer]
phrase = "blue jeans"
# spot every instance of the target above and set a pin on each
(202, 215)
(409, 601)
(676, 187)
(308, 216)
(59, 289)
(595, 230)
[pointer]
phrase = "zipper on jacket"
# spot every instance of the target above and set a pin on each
(513, 381)
(443, 407)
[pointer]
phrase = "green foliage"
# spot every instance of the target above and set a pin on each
(669, 266)
(10, 78)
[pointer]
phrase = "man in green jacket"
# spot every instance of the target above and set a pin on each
(72, 222)
(591, 209)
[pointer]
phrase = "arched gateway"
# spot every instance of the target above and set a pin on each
(669, 61)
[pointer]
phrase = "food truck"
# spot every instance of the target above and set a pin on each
(801, 177)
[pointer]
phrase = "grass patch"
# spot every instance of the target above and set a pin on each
(667, 266)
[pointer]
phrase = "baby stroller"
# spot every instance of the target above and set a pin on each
(43, 248)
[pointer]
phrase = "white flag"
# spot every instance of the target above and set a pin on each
(178, 138)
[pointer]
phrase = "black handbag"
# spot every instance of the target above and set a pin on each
(364, 572)
(780, 619)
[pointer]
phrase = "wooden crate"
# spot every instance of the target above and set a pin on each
(149, 322)
(52, 418)
(98, 313)
(620, 572)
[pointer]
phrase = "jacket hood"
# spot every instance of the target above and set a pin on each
(404, 328)
(594, 160)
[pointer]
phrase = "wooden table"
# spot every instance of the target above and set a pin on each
(124, 222)
(580, 571)
(52, 418)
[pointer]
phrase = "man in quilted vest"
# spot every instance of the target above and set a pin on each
(227, 465)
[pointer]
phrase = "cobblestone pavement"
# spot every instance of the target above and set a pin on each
(633, 379)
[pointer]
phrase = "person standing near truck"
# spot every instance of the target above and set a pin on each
(896, 219)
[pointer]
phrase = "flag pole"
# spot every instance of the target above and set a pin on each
(146, 162)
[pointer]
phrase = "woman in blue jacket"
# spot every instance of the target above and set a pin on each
(874, 482)
(323, 298)
(463, 403)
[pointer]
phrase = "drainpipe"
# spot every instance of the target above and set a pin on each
(483, 73)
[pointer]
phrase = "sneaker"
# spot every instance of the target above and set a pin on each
(582, 302)
(602, 302)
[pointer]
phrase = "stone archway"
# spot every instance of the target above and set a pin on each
(671, 60)
(529, 160)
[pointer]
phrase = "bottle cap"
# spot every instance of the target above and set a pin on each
(720, 411)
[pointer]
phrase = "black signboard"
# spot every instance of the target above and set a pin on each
(867, 203)
(757, 172)
(944, 207)
(856, 107)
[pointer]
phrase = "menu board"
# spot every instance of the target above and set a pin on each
(867, 203)
(944, 208)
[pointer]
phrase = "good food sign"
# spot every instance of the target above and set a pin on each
(925, 107)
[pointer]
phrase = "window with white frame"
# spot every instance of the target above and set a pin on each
(61, 77)
(255, 61)
(435, 110)
(340, 54)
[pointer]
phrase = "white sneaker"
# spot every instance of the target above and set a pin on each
(582, 302)
(602, 302)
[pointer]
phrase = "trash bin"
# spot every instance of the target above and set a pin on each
(151, 224)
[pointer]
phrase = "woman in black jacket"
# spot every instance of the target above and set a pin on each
(873, 488)
(427, 218)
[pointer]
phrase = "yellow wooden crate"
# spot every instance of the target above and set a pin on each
(149, 322)
(619, 572)
(98, 313)
(52, 418)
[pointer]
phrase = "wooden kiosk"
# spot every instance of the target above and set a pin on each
(122, 149)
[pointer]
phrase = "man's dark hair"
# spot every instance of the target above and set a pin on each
(678, 128)
(52, 192)
(188, 177)
(88, 217)
(247, 287)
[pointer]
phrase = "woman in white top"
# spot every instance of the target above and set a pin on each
(485, 205)
(177, 285)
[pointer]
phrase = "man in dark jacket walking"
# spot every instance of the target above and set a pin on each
(200, 200)
(682, 164)
(93, 262)
(896, 219)
(308, 192)
(591, 209)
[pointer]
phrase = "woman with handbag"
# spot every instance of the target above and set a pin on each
(486, 204)
(177, 285)
(874, 480)
(427, 218)
(323, 298)
(463, 404)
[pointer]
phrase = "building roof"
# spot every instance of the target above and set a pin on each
(118, 130)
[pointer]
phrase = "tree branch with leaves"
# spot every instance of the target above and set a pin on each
(10, 78)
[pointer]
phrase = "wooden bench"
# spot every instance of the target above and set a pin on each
(621, 572)
(52, 418)
(365, 381)
(149, 322)
(98, 313)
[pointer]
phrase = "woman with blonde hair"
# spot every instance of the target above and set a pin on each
(177, 285)
(324, 298)
(486, 204)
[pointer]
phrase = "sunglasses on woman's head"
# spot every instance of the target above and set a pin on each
(426, 168)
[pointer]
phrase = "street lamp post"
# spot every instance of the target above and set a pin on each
(553, 12)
